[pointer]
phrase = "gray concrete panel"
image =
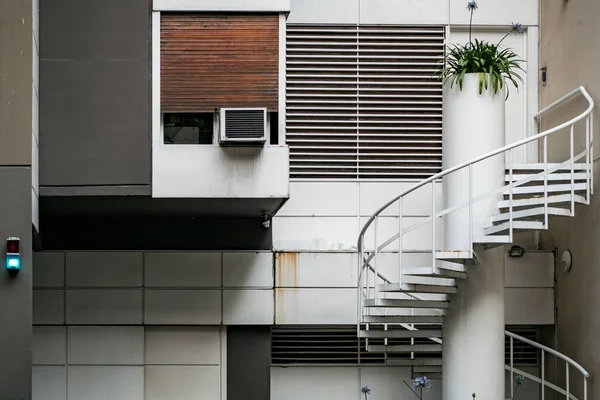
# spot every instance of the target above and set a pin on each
(94, 123)
(98, 30)
(16, 293)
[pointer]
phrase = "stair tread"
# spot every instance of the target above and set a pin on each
(401, 303)
(551, 188)
(400, 334)
(497, 239)
(517, 225)
(433, 362)
(428, 272)
(541, 166)
(532, 212)
(417, 288)
(536, 201)
(554, 176)
(403, 319)
(405, 348)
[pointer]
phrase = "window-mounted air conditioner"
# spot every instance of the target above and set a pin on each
(243, 126)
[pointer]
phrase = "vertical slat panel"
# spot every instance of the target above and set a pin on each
(213, 61)
(364, 102)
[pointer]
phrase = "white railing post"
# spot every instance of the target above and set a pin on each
(585, 387)
(400, 247)
(434, 268)
(359, 286)
(592, 150)
(512, 368)
(546, 182)
(543, 385)
(375, 259)
(471, 209)
(572, 171)
(510, 195)
(587, 160)
(567, 381)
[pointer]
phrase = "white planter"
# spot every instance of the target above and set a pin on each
(473, 125)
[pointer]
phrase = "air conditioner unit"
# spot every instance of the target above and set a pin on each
(243, 126)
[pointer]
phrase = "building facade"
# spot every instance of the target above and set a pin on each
(164, 258)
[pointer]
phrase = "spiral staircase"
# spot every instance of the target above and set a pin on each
(401, 314)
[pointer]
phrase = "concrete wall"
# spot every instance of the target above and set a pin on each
(570, 36)
(95, 93)
(18, 203)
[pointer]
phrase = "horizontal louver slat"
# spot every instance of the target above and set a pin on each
(364, 102)
(213, 61)
(523, 353)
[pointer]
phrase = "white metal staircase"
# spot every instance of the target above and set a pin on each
(402, 316)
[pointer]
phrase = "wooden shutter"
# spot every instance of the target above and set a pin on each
(364, 102)
(213, 61)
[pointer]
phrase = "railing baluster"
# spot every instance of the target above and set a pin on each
(567, 381)
(359, 287)
(510, 194)
(546, 182)
(375, 260)
(400, 247)
(543, 385)
(585, 387)
(587, 160)
(434, 268)
(572, 172)
(512, 368)
(592, 150)
(471, 209)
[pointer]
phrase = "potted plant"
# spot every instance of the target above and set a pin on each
(476, 77)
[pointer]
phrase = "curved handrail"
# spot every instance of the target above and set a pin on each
(504, 149)
(542, 380)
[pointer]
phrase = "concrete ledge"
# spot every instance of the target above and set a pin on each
(223, 5)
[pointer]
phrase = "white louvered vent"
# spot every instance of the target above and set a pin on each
(243, 125)
(364, 102)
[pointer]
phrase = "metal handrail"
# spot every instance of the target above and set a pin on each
(542, 380)
(588, 153)
(504, 149)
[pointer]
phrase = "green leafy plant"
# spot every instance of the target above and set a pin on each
(495, 66)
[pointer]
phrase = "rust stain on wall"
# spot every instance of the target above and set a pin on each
(286, 269)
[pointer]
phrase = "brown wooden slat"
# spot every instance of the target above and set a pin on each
(213, 61)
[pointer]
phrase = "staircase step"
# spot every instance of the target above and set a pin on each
(532, 212)
(408, 348)
(399, 303)
(539, 189)
(430, 280)
(555, 176)
(400, 334)
(498, 239)
(517, 226)
(426, 271)
(411, 288)
(539, 167)
(536, 201)
(430, 375)
(428, 368)
(433, 362)
(457, 256)
(403, 319)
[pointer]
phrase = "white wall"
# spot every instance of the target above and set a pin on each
(128, 362)
(344, 383)
(439, 12)
(220, 172)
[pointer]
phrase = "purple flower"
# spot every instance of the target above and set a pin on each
(365, 390)
(421, 382)
(472, 5)
(517, 27)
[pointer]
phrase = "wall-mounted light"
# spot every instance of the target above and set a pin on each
(516, 251)
(566, 261)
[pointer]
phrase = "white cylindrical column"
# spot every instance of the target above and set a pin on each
(473, 125)
(473, 332)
